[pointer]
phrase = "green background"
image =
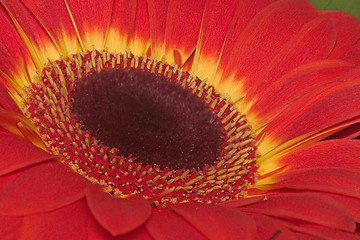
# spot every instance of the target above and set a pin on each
(349, 6)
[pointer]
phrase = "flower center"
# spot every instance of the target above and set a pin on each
(149, 117)
(138, 126)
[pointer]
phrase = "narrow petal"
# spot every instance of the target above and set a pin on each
(332, 153)
(182, 29)
(246, 11)
(348, 31)
(350, 132)
(6, 102)
(216, 222)
(326, 179)
(10, 227)
(243, 201)
(44, 187)
(140, 41)
(109, 211)
(313, 42)
(309, 207)
(292, 86)
(15, 61)
(261, 41)
(121, 26)
(91, 20)
(68, 222)
(37, 40)
(312, 115)
(55, 18)
(165, 224)
(216, 21)
(12, 159)
(157, 18)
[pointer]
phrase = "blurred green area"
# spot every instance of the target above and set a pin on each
(349, 6)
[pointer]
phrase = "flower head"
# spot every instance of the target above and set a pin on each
(178, 120)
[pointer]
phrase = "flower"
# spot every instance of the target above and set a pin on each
(274, 120)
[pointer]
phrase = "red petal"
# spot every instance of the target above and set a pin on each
(246, 11)
(140, 41)
(326, 179)
(91, 18)
(15, 60)
(216, 21)
(313, 42)
(33, 34)
(12, 159)
(216, 222)
(261, 41)
(334, 153)
(351, 205)
(350, 132)
(292, 86)
(352, 54)
(43, 187)
(157, 18)
(55, 18)
(69, 222)
(6, 102)
(182, 28)
(165, 224)
(97, 232)
(308, 207)
(243, 201)
(348, 31)
(121, 26)
(318, 112)
(321, 232)
(269, 228)
(117, 215)
(10, 227)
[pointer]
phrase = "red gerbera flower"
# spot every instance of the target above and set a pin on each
(178, 120)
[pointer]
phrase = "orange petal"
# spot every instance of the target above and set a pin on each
(216, 222)
(43, 187)
(69, 222)
(117, 215)
(182, 29)
(91, 20)
(261, 41)
(55, 18)
(165, 224)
